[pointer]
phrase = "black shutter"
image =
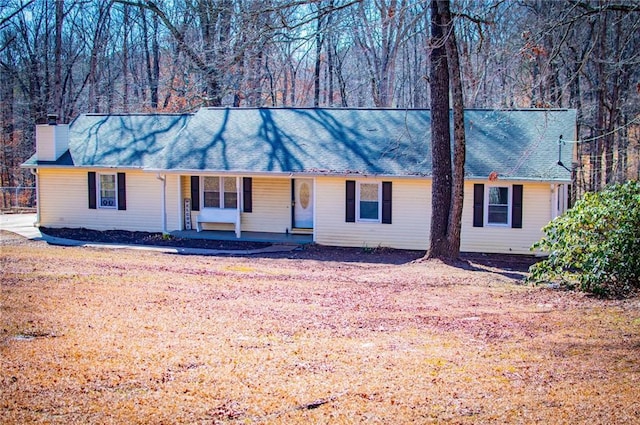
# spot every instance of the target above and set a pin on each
(195, 193)
(92, 189)
(247, 197)
(516, 209)
(478, 205)
(350, 214)
(122, 192)
(386, 202)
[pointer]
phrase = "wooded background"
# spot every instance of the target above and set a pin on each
(124, 56)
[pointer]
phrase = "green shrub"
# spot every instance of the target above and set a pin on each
(595, 246)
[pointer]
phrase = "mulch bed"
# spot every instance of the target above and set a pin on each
(307, 251)
(519, 263)
(146, 238)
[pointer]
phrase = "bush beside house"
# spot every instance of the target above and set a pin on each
(595, 246)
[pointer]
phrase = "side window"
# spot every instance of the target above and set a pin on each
(219, 192)
(368, 201)
(498, 206)
(107, 191)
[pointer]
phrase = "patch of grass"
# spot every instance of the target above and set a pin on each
(155, 338)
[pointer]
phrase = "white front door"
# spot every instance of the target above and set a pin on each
(303, 203)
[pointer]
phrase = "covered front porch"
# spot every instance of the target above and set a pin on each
(253, 209)
(245, 236)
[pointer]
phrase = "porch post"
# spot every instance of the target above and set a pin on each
(554, 201)
(163, 208)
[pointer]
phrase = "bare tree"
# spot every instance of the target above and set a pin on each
(447, 192)
(380, 31)
(74, 56)
(459, 139)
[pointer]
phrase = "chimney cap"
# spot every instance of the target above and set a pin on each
(52, 119)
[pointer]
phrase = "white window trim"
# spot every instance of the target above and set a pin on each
(221, 186)
(368, 220)
(509, 205)
(99, 190)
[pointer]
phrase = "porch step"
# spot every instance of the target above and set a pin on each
(301, 231)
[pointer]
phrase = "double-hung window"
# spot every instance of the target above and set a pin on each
(368, 201)
(107, 191)
(220, 192)
(498, 205)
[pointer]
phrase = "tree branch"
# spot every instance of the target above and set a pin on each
(627, 8)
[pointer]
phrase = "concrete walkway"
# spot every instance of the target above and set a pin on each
(23, 224)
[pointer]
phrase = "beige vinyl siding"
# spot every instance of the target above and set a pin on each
(411, 208)
(64, 201)
(174, 202)
(536, 213)
(271, 206)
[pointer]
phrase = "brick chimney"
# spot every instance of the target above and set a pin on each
(52, 139)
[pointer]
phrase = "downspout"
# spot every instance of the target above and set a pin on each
(34, 171)
(163, 179)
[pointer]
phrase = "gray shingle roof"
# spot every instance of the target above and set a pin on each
(132, 140)
(519, 144)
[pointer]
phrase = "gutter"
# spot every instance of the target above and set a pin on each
(83, 167)
(301, 174)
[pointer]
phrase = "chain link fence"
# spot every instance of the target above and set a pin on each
(18, 199)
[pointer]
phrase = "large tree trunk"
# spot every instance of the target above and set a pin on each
(440, 138)
(125, 58)
(448, 185)
(151, 58)
(57, 71)
(7, 137)
(601, 106)
(330, 65)
(459, 143)
(316, 71)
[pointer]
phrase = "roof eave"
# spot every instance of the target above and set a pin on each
(79, 167)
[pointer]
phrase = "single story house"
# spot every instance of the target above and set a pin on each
(348, 177)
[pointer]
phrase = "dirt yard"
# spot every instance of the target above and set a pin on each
(119, 336)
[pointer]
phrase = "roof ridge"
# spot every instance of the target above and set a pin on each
(312, 108)
(371, 108)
